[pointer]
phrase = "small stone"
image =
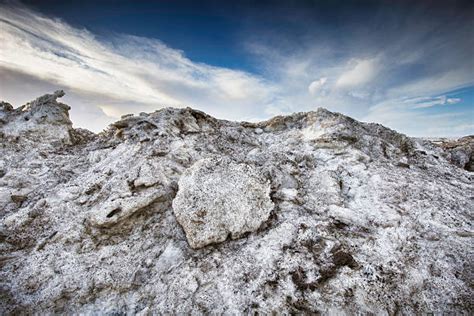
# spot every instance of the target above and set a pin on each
(403, 165)
(18, 198)
(342, 258)
(148, 262)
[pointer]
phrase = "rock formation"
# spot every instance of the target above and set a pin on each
(459, 151)
(178, 212)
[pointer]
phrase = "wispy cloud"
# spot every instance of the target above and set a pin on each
(123, 69)
(317, 86)
(398, 67)
(395, 113)
(362, 73)
(427, 102)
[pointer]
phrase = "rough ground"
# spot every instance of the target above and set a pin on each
(309, 213)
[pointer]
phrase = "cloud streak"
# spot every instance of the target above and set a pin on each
(421, 103)
(125, 69)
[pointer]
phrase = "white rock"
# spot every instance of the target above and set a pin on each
(218, 198)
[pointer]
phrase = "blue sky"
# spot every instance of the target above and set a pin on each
(405, 64)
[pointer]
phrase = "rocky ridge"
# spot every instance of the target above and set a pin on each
(178, 212)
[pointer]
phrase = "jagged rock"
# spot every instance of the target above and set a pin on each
(5, 109)
(218, 198)
(5, 106)
(361, 219)
(460, 151)
(43, 118)
(81, 136)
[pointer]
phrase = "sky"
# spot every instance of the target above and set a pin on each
(406, 64)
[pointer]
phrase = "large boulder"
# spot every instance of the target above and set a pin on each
(218, 198)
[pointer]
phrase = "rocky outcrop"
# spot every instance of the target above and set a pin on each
(178, 212)
(43, 119)
(459, 152)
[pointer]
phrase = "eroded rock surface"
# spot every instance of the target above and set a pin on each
(459, 151)
(44, 119)
(218, 198)
(329, 215)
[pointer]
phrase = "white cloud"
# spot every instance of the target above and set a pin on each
(360, 74)
(453, 100)
(449, 80)
(316, 86)
(427, 102)
(112, 111)
(125, 69)
(359, 94)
